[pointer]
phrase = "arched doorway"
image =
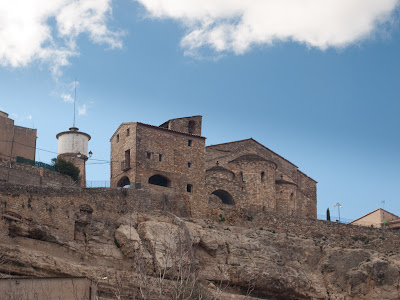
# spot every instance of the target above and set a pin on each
(225, 197)
(160, 180)
(124, 182)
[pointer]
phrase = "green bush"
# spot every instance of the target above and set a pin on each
(65, 167)
(221, 218)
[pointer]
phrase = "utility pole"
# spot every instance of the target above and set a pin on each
(74, 102)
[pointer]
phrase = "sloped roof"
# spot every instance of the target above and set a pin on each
(372, 213)
(258, 143)
(252, 140)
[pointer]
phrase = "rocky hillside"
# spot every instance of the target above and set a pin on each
(158, 255)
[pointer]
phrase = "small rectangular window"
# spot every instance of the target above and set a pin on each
(189, 143)
(127, 132)
(189, 188)
(117, 138)
(189, 164)
(148, 155)
(128, 158)
(159, 157)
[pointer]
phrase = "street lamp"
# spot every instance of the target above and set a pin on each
(339, 206)
(79, 155)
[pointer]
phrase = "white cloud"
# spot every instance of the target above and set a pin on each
(82, 110)
(67, 98)
(68, 91)
(237, 25)
(47, 30)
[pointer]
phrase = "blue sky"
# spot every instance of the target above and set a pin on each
(318, 84)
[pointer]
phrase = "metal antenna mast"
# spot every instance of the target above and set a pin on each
(74, 101)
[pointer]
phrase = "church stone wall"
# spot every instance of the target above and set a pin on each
(176, 157)
(267, 181)
(244, 174)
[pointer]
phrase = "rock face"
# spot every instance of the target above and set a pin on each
(160, 256)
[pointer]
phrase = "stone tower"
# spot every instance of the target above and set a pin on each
(73, 147)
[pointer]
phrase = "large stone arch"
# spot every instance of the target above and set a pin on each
(124, 182)
(160, 180)
(224, 196)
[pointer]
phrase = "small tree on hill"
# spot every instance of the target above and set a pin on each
(328, 215)
(65, 167)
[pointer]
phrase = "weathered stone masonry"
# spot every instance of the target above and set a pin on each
(26, 174)
(261, 179)
(172, 159)
(98, 233)
(75, 214)
(16, 140)
(69, 213)
(160, 159)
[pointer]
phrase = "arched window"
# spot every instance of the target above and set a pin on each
(191, 126)
(124, 182)
(262, 176)
(225, 197)
(160, 180)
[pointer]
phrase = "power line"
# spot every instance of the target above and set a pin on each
(40, 149)
(28, 146)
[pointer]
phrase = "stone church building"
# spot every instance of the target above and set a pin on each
(172, 160)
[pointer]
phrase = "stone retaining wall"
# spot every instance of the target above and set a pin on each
(30, 175)
(67, 213)
(64, 211)
(324, 233)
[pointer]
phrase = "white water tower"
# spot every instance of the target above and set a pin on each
(73, 147)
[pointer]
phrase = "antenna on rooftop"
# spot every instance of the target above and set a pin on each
(74, 101)
(383, 204)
